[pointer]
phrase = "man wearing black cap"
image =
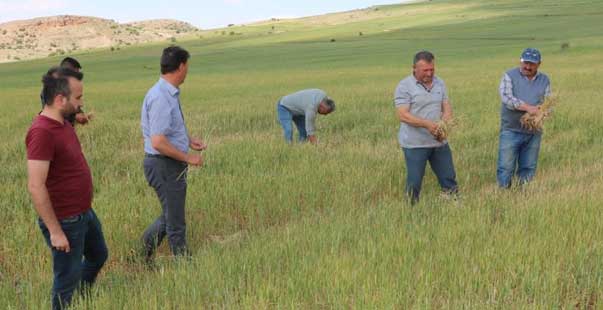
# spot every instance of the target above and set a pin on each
(522, 90)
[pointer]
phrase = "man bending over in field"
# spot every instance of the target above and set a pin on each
(60, 184)
(302, 108)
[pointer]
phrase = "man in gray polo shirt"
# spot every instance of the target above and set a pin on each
(522, 90)
(302, 108)
(421, 100)
(166, 144)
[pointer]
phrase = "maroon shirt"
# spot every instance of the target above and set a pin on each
(69, 181)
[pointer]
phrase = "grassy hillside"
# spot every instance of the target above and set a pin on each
(277, 226)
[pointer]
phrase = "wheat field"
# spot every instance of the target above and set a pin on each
(277, 226)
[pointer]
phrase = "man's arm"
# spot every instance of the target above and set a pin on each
(505, 90)
(402, 102)
(446, 110)
(196, 144)
(160, 124)
(548, 94)
(405, 116)
(310, 118)
(547, 91)
(530, 109)
(37, 172)
(446, 106)
(163, 146)
(82, 118)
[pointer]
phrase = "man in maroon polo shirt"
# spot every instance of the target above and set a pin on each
(60, 184)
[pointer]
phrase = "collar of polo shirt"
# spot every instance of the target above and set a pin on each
(428, 89)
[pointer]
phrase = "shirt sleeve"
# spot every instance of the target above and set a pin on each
(402, 96)
(506, 93)
(310, 119)
(445, 92)
(159, 116)
(322, 95)
(547, 91)
(40, 145)
(547, 94)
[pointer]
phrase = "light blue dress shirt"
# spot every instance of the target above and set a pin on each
(162, 115)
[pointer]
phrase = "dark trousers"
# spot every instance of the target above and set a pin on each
(82, 264)
(168, 178)
(440, 160)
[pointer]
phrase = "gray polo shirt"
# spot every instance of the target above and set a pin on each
(426, 104)
(305, 102)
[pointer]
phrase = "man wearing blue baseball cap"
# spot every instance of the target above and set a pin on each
(522, 90)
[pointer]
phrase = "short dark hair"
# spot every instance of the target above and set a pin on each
(423, 55)
(330, 103)
(53, 70)
(172, 57)
(56, 82)
(70, 62)
(65, 72)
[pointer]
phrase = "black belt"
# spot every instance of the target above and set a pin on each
(72, 219)
(69, 219)
(159, 156)
(155, 155)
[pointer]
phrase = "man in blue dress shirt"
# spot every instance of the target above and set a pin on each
(166, 145)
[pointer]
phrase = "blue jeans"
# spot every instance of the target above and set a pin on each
(517, 154)
(82, 264)
(285, 117)
(440, 160)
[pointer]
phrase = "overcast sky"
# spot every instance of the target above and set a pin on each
(201, 13)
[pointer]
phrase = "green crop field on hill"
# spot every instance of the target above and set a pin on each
(278, 226)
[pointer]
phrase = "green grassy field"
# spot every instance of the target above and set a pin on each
(277, 226)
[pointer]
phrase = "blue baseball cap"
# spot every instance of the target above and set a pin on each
(530, 55)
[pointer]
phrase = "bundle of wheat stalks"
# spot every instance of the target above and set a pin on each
(535, 122)
(444, 128)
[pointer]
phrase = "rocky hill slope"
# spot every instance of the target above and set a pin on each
(58, 35)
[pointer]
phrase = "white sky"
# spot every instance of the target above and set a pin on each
(201, 13)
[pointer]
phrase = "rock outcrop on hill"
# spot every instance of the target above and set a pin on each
(59, 35)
